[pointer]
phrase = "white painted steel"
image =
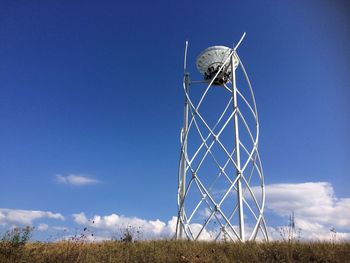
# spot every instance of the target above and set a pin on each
(248, 207)
(238, 156)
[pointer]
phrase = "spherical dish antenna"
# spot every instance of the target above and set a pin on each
(211, 61)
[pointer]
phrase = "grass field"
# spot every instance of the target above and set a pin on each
(173, 251)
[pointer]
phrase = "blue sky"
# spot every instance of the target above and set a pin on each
(91, 92)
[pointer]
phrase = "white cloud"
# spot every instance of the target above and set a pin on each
(25, 217)
(60, 228)
(315, 206)
(205, 235)
(80, 219)
(2, 218)
(110, 225)
(43, 227)
(204, 213)
(75, 179)
(117, 224)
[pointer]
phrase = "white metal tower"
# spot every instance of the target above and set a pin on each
(221, 192)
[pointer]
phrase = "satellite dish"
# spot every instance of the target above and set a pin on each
(211, 61)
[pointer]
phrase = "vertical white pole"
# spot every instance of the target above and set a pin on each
(183, 157)
(237, 146)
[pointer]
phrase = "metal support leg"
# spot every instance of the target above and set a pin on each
(238, 157)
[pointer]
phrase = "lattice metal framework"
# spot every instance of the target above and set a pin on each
(221, 192)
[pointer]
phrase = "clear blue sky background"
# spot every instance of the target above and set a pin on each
(95, 88)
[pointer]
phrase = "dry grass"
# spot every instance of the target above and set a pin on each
(174, 251)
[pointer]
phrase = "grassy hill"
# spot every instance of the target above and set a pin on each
(173, 251)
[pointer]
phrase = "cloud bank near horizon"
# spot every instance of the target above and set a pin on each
(25, 217)
(316, 208)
